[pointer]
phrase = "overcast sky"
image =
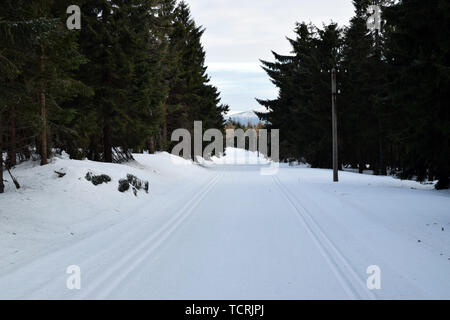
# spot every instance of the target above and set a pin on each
(240, 32)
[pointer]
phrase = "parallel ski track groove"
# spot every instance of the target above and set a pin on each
(114, 276)
(354, 286)
(52, 283)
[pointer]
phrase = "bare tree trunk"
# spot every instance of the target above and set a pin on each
(382, 164)
(44, 159)
(107, 144)
(151, 145)
(361, 166)
(12, 154)
(164, 128)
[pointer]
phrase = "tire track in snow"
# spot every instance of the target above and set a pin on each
(113, 277)
(354, 286)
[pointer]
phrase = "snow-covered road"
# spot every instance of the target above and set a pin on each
(235, 234)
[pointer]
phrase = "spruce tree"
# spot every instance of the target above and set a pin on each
(14, 35)
(361, 113)
(105, 41)
(191, 97)
(417, 50)
(302, 109)
(44, 54)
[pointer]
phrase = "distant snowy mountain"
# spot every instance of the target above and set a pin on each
(243, 117)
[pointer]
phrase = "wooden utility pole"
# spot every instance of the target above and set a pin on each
(334, 121)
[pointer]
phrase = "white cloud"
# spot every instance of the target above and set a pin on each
(241, 67)
(240, 32)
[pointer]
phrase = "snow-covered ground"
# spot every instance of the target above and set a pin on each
(50, 212)
(219, 232)
(235, 156)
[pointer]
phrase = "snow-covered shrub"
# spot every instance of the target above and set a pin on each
(124, 185)
(97, 179)
(137, 183)
(134, 182)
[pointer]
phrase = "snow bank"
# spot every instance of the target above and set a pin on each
(49, 211)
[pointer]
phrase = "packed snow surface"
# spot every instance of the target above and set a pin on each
(235, 156)
(220, 232)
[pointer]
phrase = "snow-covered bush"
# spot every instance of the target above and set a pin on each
(97, 179)
(138, 183)
(124, 185)
(135, 182)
